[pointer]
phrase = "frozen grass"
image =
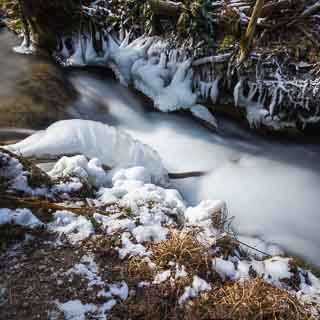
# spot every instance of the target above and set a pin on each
(254, 299)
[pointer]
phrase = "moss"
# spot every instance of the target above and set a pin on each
(227, 43)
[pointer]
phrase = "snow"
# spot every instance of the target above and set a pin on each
(259, 244)
(21, 217)
(277, 268)
(155, 233)
(224, 268)
(16, 177)
(203, 216)
(75, 310)
(120, 290)
(180, 272)
(198, 285)
(79, 166)
(111, 224)
(165, 200)
(272, 270)
(205, 210)
(75, 228)
(88, 269)
(107, 306)
(130, 249)
(162, 276)
(112, 146)
(65, 188)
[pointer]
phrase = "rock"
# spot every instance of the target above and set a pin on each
(34, 92)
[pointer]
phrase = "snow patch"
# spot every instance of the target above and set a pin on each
(21, 217)
(75, 228)
(198, 285)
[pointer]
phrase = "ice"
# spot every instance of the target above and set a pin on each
(24, 48)
(134, 173)
(112, 146)
(78, 56)
(203, 114)
(178, 94)
(21, 217)
(168, 85)
(123, 56)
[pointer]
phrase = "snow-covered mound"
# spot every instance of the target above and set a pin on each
(113, 147)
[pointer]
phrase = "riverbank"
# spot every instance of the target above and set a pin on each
(133, 248)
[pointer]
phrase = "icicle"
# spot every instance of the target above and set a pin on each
(237, 93)
(64, 52)
(77, 57)
(253, 88)
(125, 41)
(90, 51)
(273, 101)
(214, 94)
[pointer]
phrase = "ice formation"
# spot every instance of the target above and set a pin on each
(113, 147)
(166, 79)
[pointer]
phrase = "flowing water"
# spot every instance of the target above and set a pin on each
(272, 188)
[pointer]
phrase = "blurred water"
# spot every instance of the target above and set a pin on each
(272, 188)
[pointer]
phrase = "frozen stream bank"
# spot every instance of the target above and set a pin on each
(272, 188)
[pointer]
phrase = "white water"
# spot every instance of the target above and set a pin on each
(272, 188)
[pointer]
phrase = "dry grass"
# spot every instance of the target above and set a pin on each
(253, 299)
(183, 249)
(155, 302)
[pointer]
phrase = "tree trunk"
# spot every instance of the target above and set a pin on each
(246, 42)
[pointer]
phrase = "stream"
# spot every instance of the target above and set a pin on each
(271, 187)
